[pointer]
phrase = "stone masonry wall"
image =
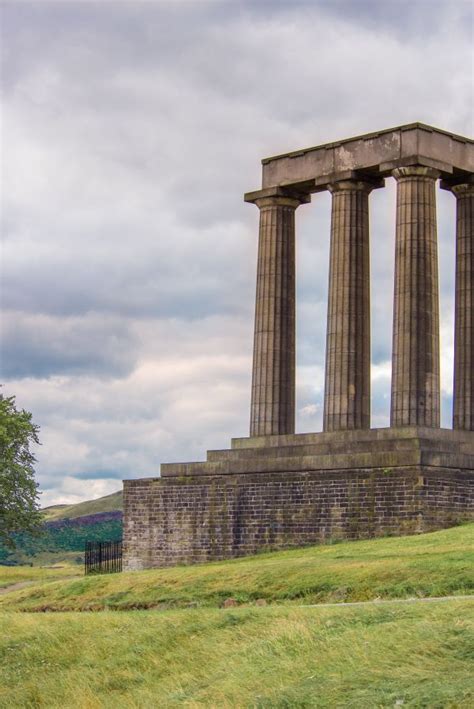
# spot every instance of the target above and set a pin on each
(170, 521)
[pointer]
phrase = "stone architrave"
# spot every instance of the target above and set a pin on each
(273, 374)
(415, 354)
(347, 381)
(463, 395)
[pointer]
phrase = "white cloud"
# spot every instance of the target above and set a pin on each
(70, 490)
(131, 131)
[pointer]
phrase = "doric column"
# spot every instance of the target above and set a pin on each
(273, 375)
(415, 352)
(347, 383)
(463, 394)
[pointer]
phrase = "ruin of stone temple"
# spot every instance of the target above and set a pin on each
(277, 488)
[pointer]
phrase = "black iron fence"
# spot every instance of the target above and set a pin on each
(103, 557)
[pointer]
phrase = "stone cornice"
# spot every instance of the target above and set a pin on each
(374, 155)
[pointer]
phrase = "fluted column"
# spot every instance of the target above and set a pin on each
(347, 382)
(463, 394)
(273, 375)
(415, 352)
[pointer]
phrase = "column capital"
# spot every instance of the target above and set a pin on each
(415, 171)
(349, 178)
(463, 187)
(356, 185)
(462, 190)
(277, 196)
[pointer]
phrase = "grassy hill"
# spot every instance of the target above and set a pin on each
(435, 564)
(65, 531)
(188, 651)
(108, 503)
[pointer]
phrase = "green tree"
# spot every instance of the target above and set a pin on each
(19, 507)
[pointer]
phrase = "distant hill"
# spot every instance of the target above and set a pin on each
(108, 503)
(65, 531)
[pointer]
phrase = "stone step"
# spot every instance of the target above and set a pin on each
(288, 464)
(295, 439)
(333, 447)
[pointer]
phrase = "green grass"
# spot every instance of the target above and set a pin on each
(64, 533)
(284, 656)
(10, 575)
(435, 564)
(47, 558)
(412, 655)
(60, 541)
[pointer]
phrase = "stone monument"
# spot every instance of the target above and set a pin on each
(277, 489)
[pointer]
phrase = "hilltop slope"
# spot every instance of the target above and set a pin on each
(65, 531)
(188, 652)
(108, 503)
(434, 564)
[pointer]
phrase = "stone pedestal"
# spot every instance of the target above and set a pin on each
(463, 393)
(415, 354)
(272, 408)
(278, 492)
(347, 382)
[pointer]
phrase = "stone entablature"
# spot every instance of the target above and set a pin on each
(377, 154)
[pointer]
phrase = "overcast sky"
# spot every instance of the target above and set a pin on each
(130, 132)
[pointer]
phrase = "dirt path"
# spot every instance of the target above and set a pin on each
(383, 601)
(15, 587)
(23, 584)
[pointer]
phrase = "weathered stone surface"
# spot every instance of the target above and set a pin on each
(463, 394)
(347, 381)
(273, 376)
(230, 603)
(187, 520)
(439, 436)
(415, 353)
(377, 154)
(275, 492)
(390, 447)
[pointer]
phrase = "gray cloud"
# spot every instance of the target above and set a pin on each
(41, 346)
(130, 132)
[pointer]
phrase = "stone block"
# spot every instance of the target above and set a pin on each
(396, 481)
(375, 154)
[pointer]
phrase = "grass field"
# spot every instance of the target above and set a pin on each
(436, 564)
(412, 655)
(10, 575)
(193, 653)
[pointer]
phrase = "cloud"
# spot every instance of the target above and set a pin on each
(47, 345)
(131, 131)
(186, 396)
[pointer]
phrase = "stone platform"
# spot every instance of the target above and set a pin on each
(276, 492)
